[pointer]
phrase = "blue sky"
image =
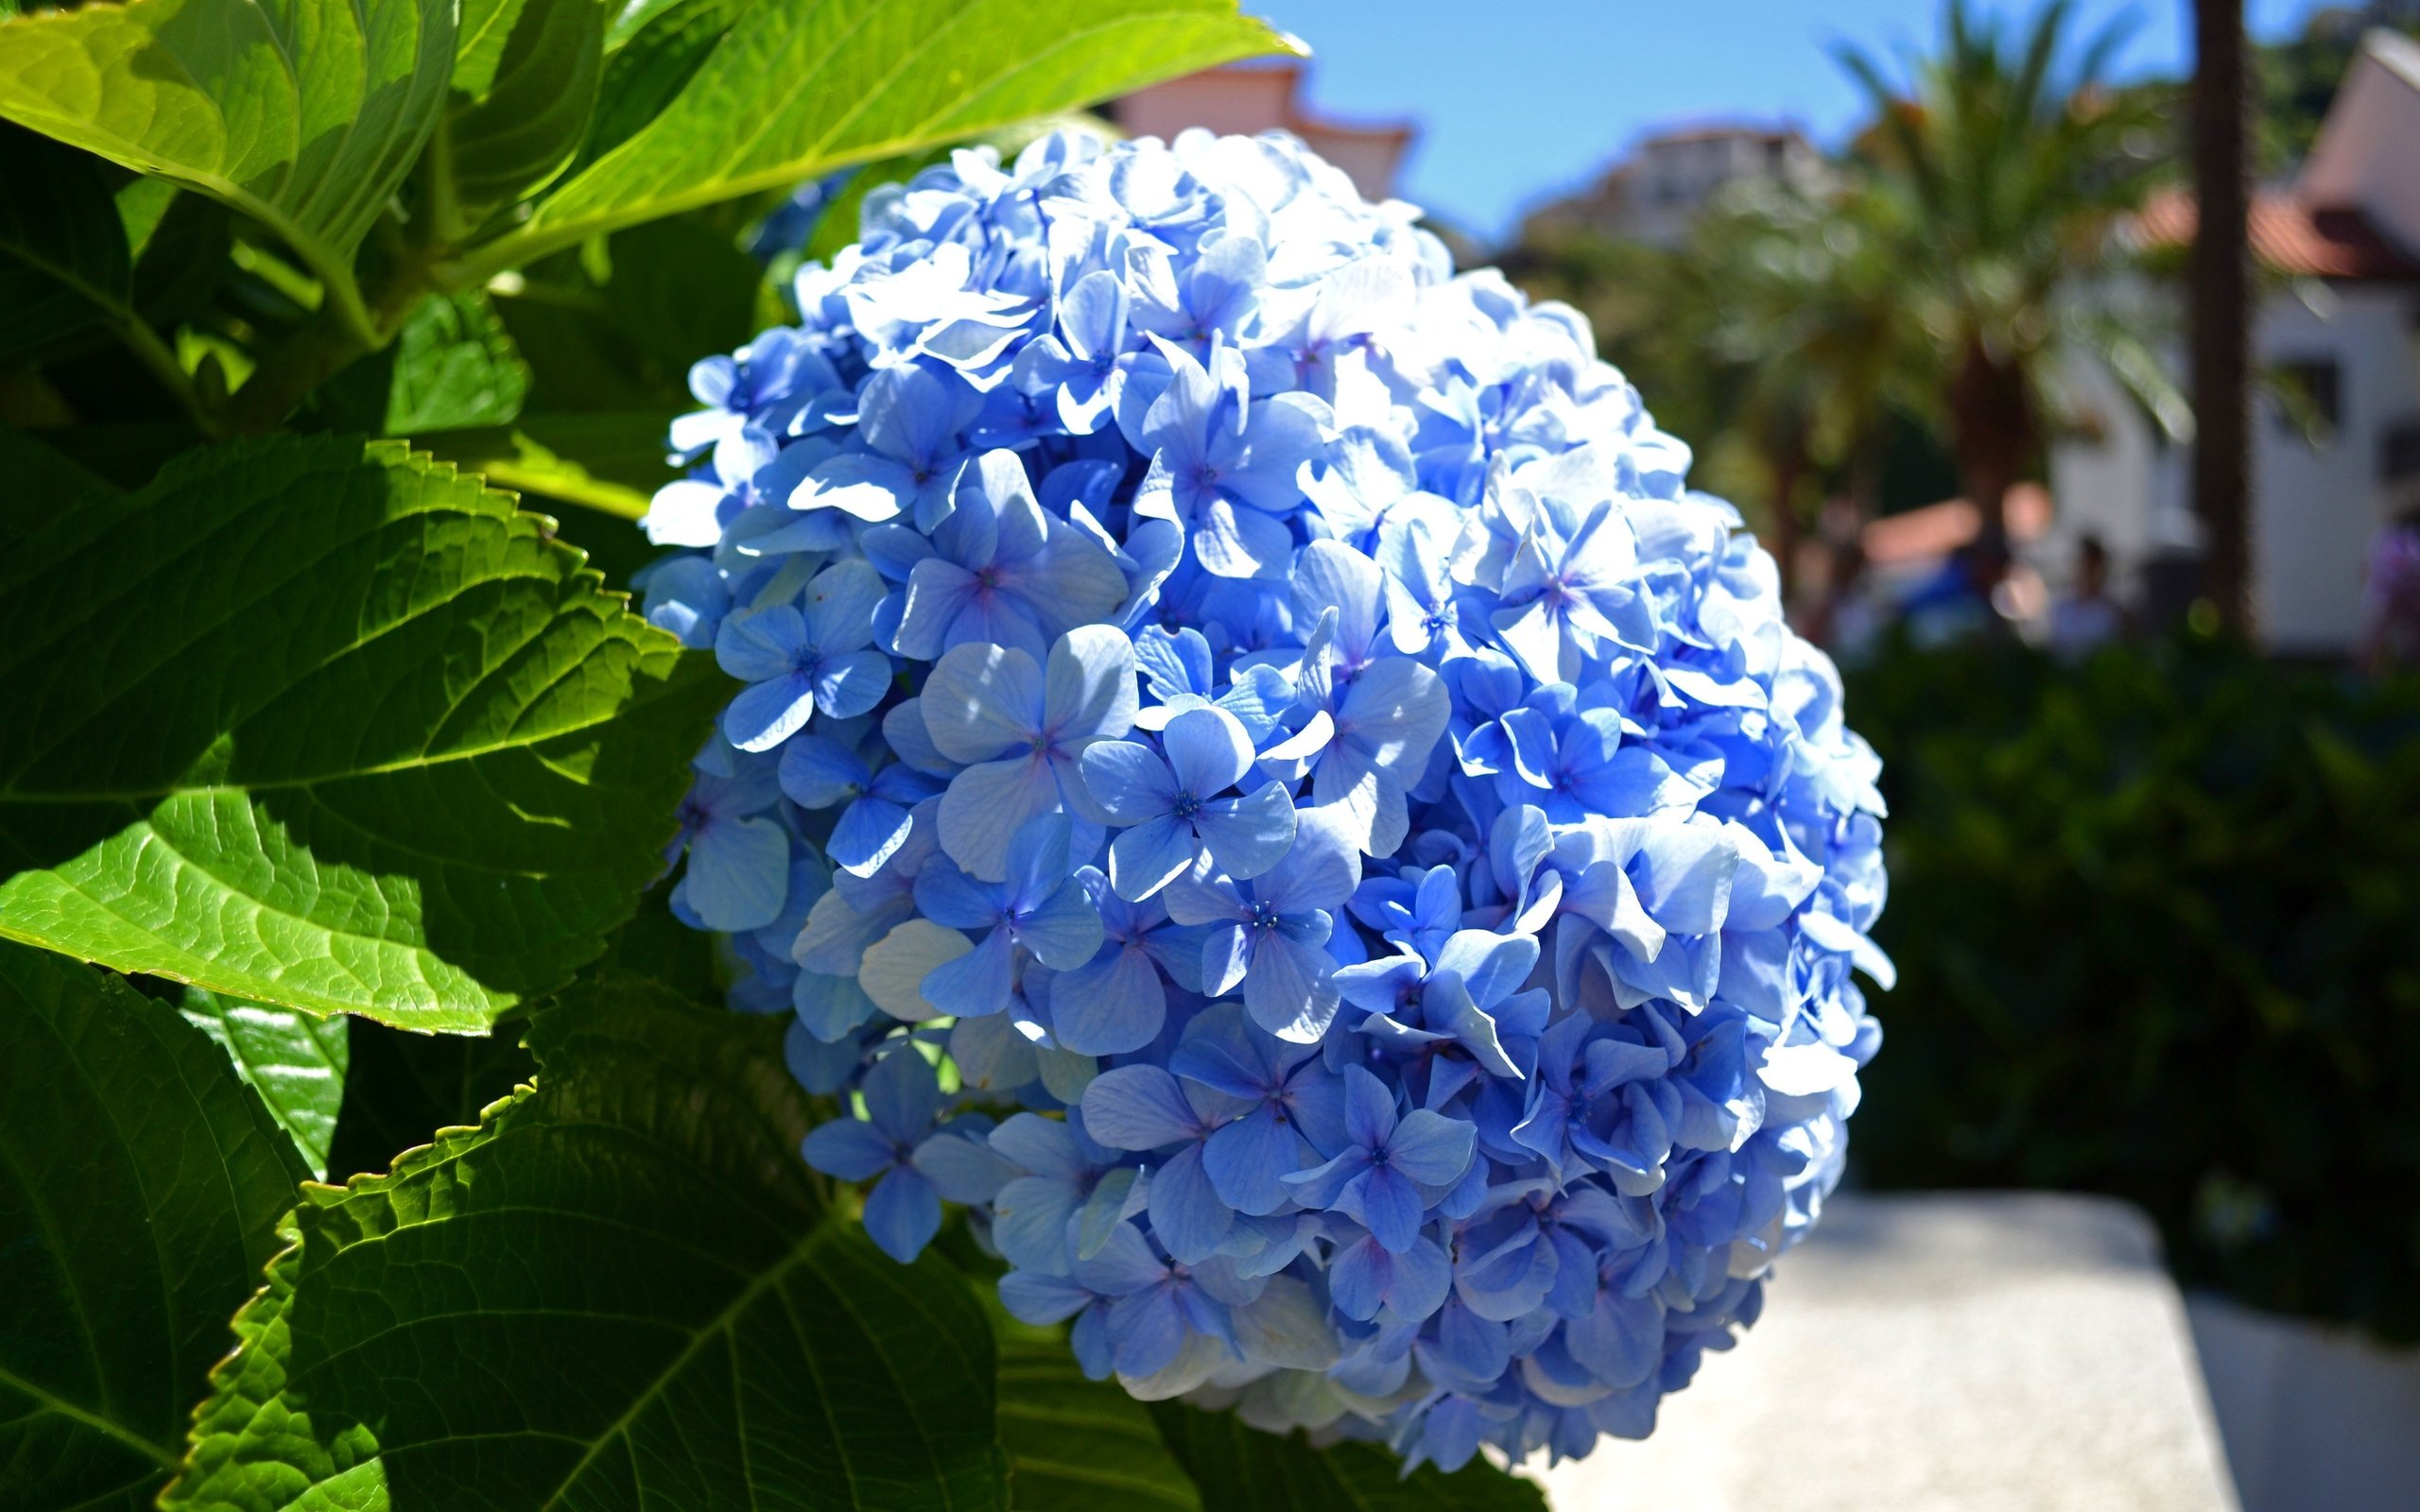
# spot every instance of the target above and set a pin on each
(1517, 99)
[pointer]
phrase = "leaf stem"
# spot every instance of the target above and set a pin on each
(162, 364)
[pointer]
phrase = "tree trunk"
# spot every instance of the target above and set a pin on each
(1991, 431)
(2222, 311)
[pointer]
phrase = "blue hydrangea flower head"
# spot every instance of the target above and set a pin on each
(1257, 780)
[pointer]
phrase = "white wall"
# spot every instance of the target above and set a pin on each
(2363, 155)
(2317, 506)
(2314, 507)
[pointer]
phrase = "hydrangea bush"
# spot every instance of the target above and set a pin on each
(1259, 777)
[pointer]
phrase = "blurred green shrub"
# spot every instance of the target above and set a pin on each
(2158, 920)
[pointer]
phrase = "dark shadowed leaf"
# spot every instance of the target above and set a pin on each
(1237, 1466)
(63, 260)
(617, 1292)
(525, 82)
(402, 1088)
(140, 1188)
(1081, 1446)
(295, 1061)
(42, 485)
(334, 731)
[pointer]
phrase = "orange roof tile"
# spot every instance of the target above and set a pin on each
(2291, 237)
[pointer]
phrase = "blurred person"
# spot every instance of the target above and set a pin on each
(1955, 602)
(2086, 618)
(2391, 596)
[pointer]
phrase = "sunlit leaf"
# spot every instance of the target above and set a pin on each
(304, 115)
(337, 732)
(295, 1061)
(812, 88)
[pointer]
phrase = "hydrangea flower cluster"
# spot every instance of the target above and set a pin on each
(1256, 777)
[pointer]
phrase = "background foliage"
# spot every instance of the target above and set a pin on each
(314, 720)
(2154, 920)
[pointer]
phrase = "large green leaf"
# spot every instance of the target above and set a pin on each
(295, 1061)
(525, 82)
(304, 115)
(42, 485)
(452, 367)
(617, 1292)
(336, 730)
(1081, 1446)
(607, 460)
(1237, 1466)
(794, 89)
(401, 1088)
(140, 1188)
(63, 260)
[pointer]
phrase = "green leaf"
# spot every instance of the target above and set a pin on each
(526, 80)
(816, 87)
(304, 116)
(295, 1061)
(654, 54)
(63, 261)
(140, 1188)
(611, 460)
(402, 1088)
(42, 485)
(617, 1292)
(454, 368)
(1081, 1446)
(1237, 1466)
(339, 731)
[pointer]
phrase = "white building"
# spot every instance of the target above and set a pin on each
(1669, 176)
(2345, 327)
(1248, 99)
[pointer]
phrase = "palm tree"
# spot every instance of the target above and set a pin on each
(2222, 304)
(1808, 317)
(2010, 166)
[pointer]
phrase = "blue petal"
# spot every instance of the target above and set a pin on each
(1431, 1149)
(1129, 782)
(848, 1148)
(1147, 857)
(1249, 1159)
(1065, 932)
(766, 714)
(1138, 1108)
(817, 773)
(753, 647)
(902, 1214)
(976, 983)
(1248, 835)
(870, 832)
(1109, 1007)
(850, 684)
(1207, 750)
(1185, 1212)
(901, 1094)
(738, 875)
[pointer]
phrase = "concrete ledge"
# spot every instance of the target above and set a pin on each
(2315, 1418)
(1944, 1352)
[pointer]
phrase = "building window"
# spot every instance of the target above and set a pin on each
(2399, 451)
(2310, 400)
